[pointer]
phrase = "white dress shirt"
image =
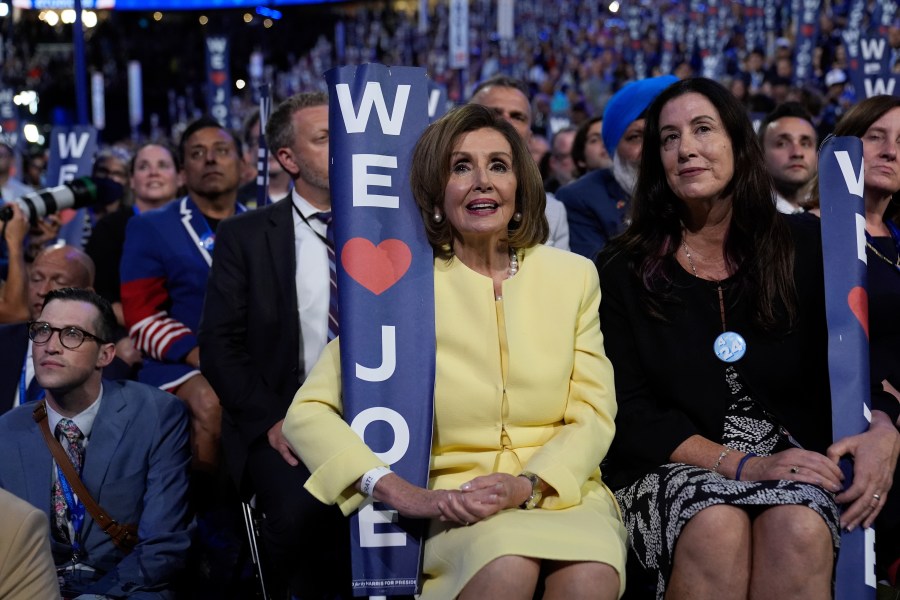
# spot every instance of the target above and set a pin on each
(313, 279)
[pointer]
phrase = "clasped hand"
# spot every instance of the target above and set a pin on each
(482, 497)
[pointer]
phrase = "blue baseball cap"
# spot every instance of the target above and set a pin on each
(628, 104)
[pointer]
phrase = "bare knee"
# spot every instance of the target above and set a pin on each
(573, 580)
(715, 534)
(712, 556)
(504, 577)
(793, 530)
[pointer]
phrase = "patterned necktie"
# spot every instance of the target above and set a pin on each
(325, 217)
(66, 428)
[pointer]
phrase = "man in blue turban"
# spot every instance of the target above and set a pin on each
(599, 203)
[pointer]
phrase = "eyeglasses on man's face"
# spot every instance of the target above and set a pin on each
(70, 337)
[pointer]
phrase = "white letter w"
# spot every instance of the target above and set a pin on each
(390, 124)
(854, 183)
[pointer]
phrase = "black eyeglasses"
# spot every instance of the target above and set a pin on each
(70, 337)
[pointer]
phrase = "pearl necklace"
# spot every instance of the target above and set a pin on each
(512, 269)
(513, 263)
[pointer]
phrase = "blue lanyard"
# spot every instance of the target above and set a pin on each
(76, 510)
(23, 389)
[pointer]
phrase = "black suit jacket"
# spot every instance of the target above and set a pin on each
(250, 344)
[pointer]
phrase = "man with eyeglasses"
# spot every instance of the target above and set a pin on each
(54, 268)
(136, 469)
(165, 263)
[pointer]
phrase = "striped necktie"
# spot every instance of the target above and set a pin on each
(325, 217)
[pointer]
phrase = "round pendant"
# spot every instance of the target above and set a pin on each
(730, 347)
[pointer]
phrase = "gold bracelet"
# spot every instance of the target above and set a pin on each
(719, 460)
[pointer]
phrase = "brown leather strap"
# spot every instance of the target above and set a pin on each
(123, 536)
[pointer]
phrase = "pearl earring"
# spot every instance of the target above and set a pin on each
(517, 216)
(438, 217)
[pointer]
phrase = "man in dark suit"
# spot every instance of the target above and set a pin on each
(54, 268)
(265, 321)
(129, 441)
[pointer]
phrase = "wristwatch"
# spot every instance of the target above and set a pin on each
(536, 493)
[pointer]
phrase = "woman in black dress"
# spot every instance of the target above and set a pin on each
(713, 316)
(876, 121)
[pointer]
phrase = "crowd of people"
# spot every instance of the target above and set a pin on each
(628, 280)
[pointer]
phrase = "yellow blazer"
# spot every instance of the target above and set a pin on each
(521, 384)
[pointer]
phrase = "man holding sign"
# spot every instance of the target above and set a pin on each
(265, 322)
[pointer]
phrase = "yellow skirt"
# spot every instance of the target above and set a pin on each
(590, 531)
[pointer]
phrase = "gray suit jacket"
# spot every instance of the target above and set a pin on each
(136, 467)
(559, 223)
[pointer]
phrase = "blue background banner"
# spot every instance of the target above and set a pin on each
(847, 307)
(871, 73)
(386, 287)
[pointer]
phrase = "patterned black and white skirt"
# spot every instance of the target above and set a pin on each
(658, 506)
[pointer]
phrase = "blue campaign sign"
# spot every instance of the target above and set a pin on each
(847, 309)
(437, 101)
(386, 287)
(871, 73)
(218, 83)
(807, 31)
(72, 151)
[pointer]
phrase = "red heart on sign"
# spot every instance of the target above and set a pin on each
(858, 301)
(376, 268)
(217, 77)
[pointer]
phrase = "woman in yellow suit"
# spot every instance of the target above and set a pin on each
(524, 403)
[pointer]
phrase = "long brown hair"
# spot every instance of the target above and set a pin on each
(758, 245)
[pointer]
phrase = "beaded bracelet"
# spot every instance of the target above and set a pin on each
(740, 467)
(719, 460)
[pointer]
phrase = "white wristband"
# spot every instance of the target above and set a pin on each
(368, 481)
